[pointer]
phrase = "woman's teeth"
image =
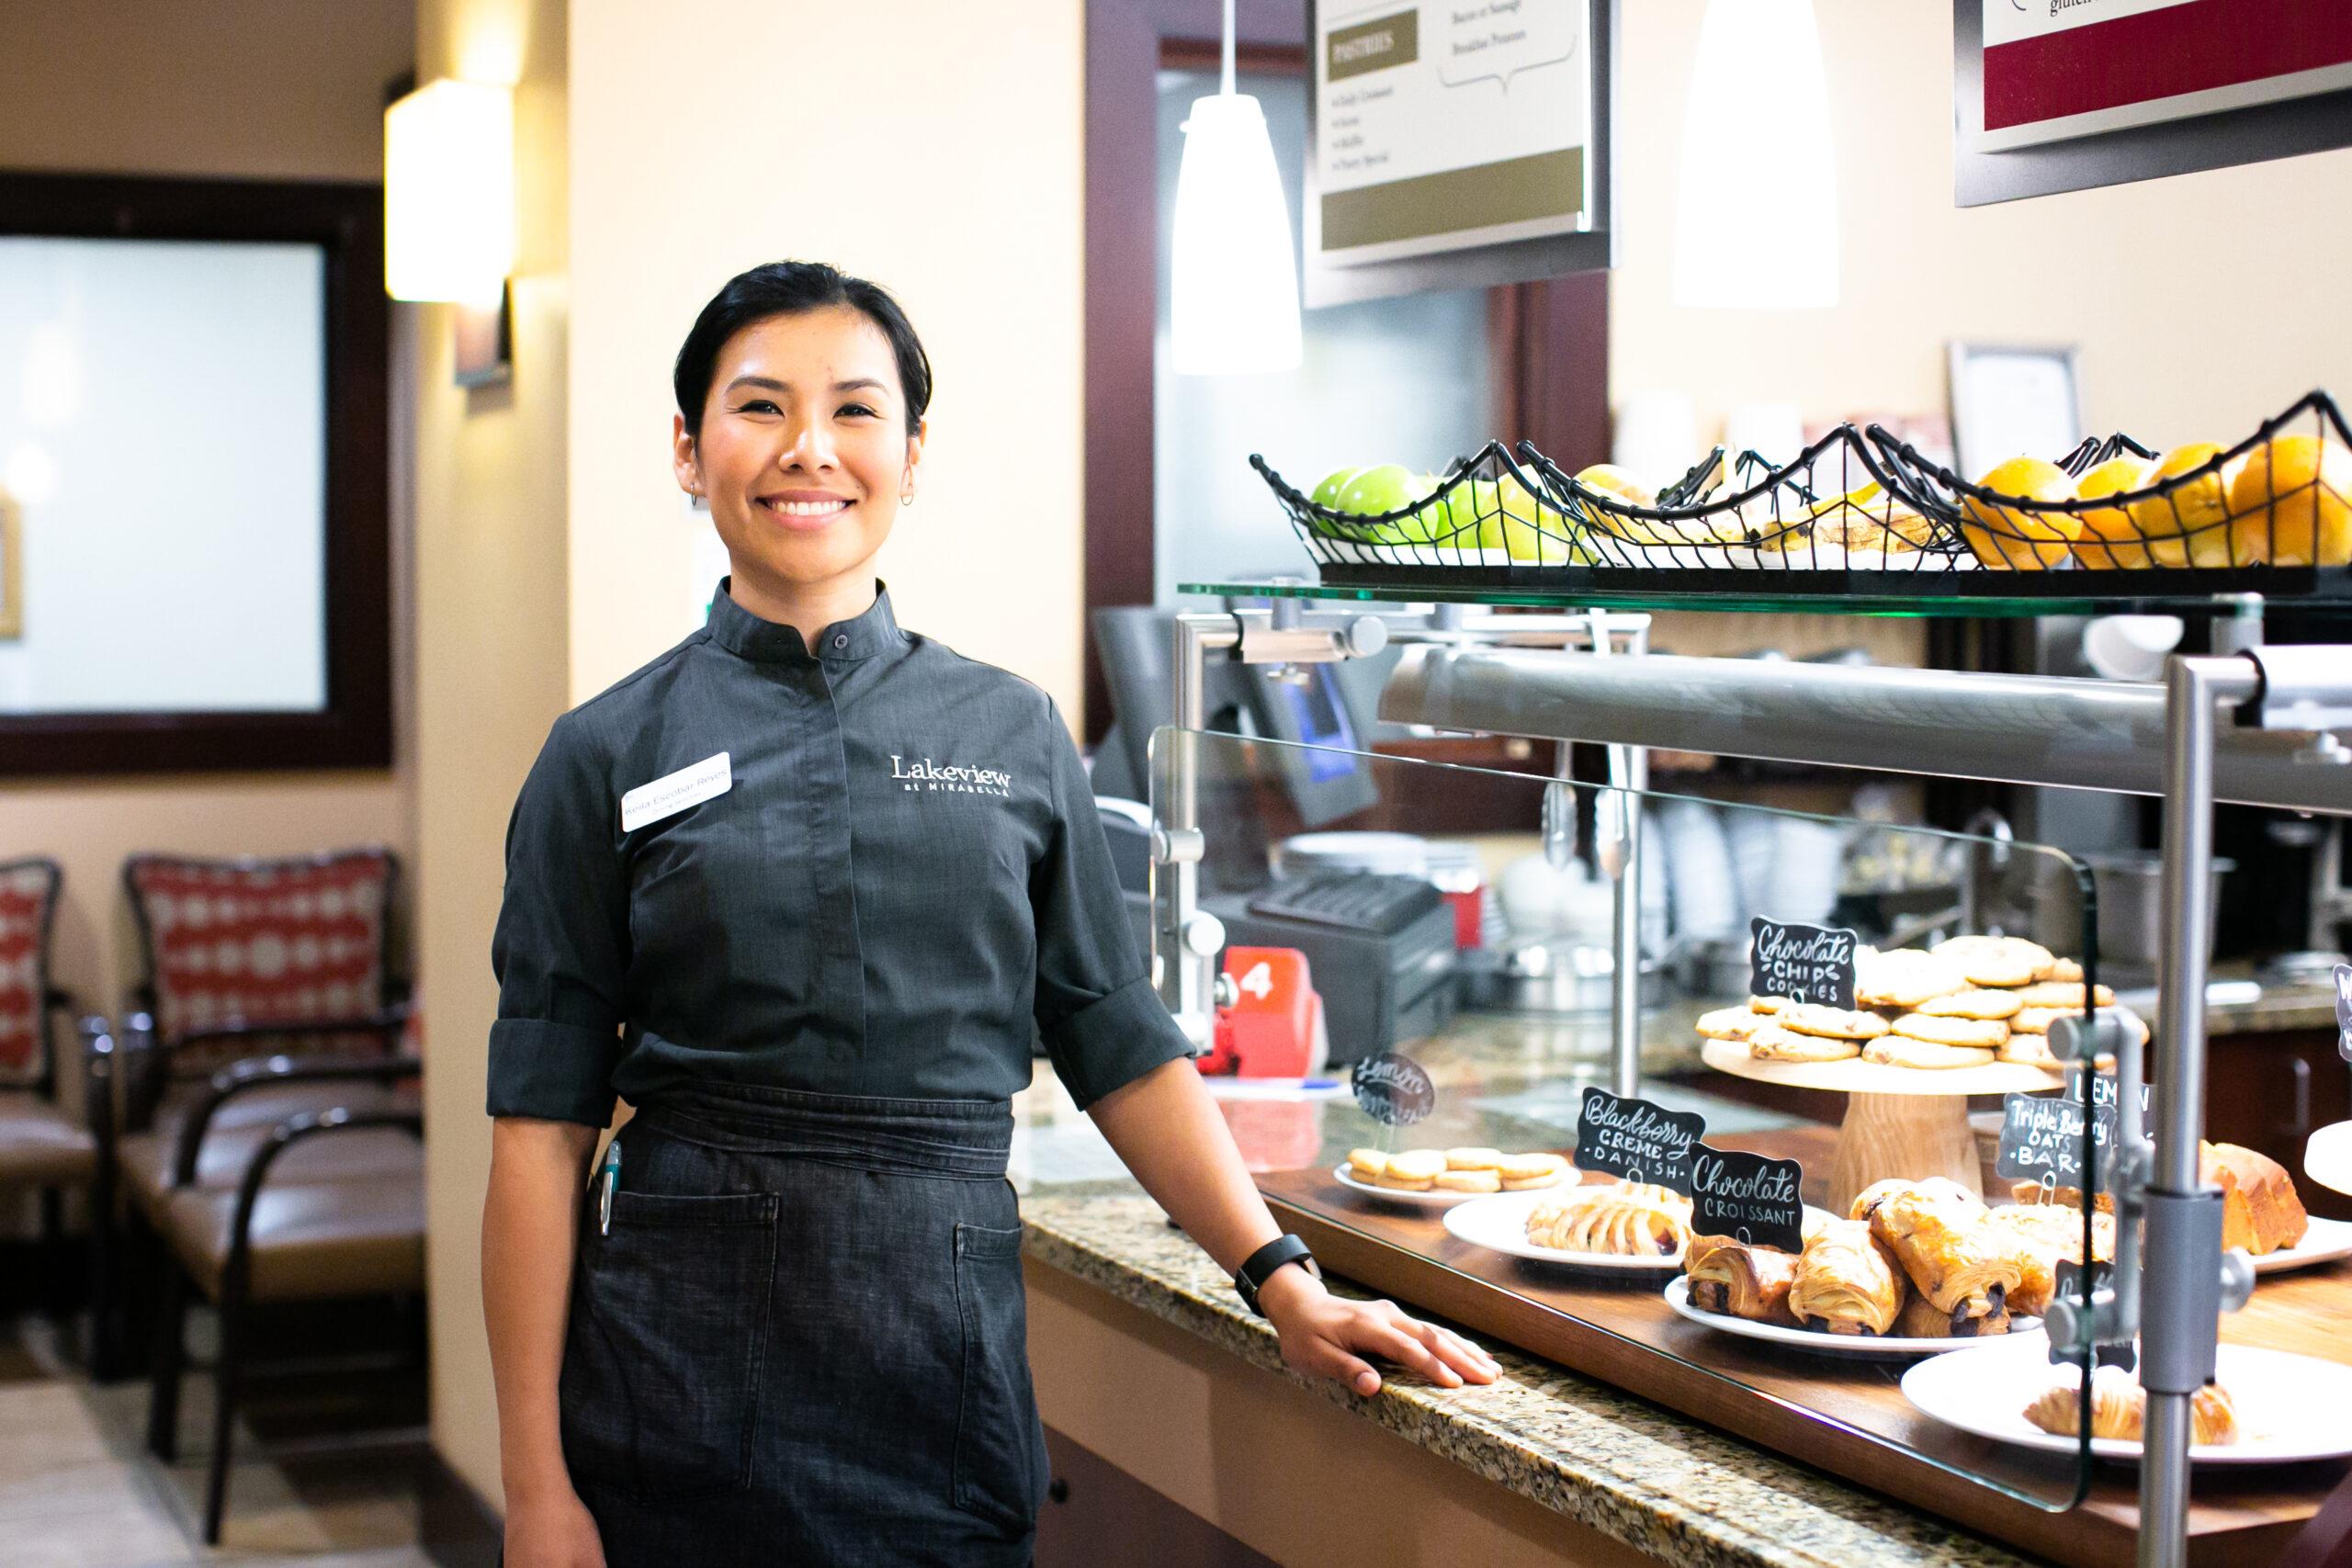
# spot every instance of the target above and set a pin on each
(807, 508)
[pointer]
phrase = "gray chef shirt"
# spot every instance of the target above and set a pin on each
(902, 884)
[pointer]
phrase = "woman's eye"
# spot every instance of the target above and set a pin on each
(856, 409)
(759, 405)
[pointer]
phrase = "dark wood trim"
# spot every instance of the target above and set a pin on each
(1550, 340)
(355, 728)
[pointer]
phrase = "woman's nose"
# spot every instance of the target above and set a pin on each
(809, 447)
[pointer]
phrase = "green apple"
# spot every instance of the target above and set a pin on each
(1326, 494)
(1390, 487)
(1476, 512)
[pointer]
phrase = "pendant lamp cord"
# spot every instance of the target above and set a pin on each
(1227, 85)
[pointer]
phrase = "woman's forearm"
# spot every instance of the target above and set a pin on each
(536, 1170)
(1169, 1132)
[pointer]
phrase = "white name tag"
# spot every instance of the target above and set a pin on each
(672, 793)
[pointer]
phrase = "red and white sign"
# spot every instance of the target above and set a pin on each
(2059, 69)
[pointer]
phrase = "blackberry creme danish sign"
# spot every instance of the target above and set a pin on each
(1812, 964)
(1637, 1141)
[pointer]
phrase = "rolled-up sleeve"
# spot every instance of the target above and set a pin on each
(1103, 1023)
(560, 950)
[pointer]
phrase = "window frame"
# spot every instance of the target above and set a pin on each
(354, 728)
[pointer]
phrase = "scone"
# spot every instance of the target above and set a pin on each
(1473, 1160)
(1835, 1023)
(1774, 1044)
(1415, 1170)
(1367, 1165)
(1730, 1024)
(2060, 994)
(1997, 960)
(1903, 1051)
(1973, 1003)
(1524, 1173)
(1469, 1181)
(1905, 978)
(1984, 1033)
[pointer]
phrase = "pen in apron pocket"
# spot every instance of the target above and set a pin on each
(612, 1177)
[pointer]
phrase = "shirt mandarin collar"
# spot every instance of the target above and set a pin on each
(746, 635)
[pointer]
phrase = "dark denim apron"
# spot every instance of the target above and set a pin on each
(802, 1340)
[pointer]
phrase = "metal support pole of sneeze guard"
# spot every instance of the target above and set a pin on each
(1617, 840)
(2181, 1290)
(1186, 939)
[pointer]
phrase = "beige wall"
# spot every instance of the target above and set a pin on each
(2202, 302)
(491, 570)
(933, 149)
(253, 88)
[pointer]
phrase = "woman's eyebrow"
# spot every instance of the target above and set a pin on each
(771, 384)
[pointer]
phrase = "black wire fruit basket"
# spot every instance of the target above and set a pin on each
(1860, 512)
(2271, 515)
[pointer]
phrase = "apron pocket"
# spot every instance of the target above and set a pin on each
(998, 1460)
(659, 1390)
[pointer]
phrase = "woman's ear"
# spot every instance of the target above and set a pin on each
(914, 456)
(684, 459)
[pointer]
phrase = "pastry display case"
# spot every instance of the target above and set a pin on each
(1875, 1192)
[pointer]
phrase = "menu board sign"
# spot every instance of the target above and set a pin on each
(1637, 1140)
(1393, 1089)
(2068, 1287)
(2041, 1135)
(1747, 1196)
(1454, 144)
(1813, 964)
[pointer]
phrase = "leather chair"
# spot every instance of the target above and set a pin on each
(41, 1146)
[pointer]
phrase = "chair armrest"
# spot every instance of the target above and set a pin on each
(99, 1058)
(269, 1072)
(387, 1025)
(138, 1071)
(284, 1137)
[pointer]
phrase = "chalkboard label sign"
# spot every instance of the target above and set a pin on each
(1747, 1196)
(2344, 1010)
(2041, 1135)
(1813, 964)
(2068, 1287)
(1636, 1139)
(1393, 1089)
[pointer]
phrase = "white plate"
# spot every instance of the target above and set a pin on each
(1860, 1346)
(2326, 1240)
(1431, 1199)
(1500, 1222)
(2290, 1407)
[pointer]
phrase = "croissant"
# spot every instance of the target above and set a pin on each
(1731, 1277)
(2118, 1409)
(2042, 1234)
(1934, 1232)
(1846, 1282)
(1920, 1320)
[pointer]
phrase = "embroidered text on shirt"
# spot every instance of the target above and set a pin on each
(927, 775)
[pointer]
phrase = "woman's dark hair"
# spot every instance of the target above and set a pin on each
(788, 289)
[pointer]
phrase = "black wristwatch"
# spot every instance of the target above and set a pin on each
(1260, 1266)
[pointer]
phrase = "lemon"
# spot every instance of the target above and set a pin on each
(2015, 537)
(2110, 537)
(2189, 525)
(2292, 502)
(1510, 520)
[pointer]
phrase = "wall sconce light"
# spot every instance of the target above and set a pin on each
(449, 213)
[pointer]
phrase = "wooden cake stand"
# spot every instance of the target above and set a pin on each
(1901, 1123)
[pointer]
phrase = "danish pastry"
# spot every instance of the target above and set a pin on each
(1627, 1220)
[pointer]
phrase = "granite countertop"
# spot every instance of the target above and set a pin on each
(1639, 1473)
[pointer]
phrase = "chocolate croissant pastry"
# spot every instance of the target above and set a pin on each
(1846, 1282)
(2042, 1235)
(1920, 1320)
(1938, 1236)
(1740, 1281)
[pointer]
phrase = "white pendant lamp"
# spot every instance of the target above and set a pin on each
(1233, 302)
(1756, 210)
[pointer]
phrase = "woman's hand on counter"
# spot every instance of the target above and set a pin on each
(1327, 1336)
(554, 1530)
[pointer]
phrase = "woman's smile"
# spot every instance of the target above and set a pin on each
(804, 511)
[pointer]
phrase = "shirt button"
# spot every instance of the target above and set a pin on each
(840, 639)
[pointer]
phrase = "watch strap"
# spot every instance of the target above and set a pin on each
(1260, 1266)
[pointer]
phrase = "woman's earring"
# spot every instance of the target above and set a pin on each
(907, 499)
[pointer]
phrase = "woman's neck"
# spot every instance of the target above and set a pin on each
(806, 607)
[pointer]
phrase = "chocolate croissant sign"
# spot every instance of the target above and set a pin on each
(1747, 1196)
(1393, 1089)
(2041, 1135)
(1813, 964)
(1636, 1139)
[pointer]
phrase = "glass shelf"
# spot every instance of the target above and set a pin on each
(1747, 595)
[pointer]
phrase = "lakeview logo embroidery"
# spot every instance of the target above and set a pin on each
(928, 775)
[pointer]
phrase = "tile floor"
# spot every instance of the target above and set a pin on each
(78, 1489)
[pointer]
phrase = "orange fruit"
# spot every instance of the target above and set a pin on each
(2188, 525)
(2108, 538)
(2293, 503)
(2015, 536)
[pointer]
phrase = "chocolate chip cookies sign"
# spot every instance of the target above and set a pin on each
(1393, 1089)
(1813, 964)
